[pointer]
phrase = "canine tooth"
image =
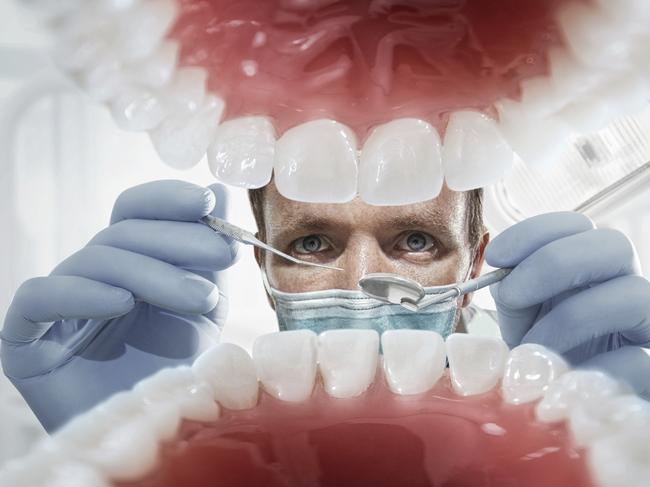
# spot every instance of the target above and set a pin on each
(593, 420)
(137, 109)
(182, 140)
(286, 363)
(538, 141)
(476, 363)
(621, 460)
(231, 372)
(530, 368)
(401, 163)
(243, 152)
(414, 360)
(474, 153)
(316, 162)
(348, 361)
(574, 387)
(594, 37)
(187, 91)
(126, 452)
(141, 30)
(198, 404)
(157, 70)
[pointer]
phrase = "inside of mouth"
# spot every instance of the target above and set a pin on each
(363, 62)
(379, 439)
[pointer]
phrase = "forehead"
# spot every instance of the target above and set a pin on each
(446, 210)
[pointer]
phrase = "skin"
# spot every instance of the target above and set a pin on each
(426, 241)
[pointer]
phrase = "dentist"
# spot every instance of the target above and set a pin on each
(144, 293)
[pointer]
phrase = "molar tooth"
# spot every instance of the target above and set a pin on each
(593, 420)
(316, 162)
(537, 141)
(476, 363)
(73, 474)
(231, 372)
(530, 368)
(574, 387)
(401, 163)
(137, 109)
(348, 361)
(157, 70)
(474, 153)
(621, 460)
(183, 139)
(141, 29)
(197, 403)
(243, 151)
(414, 360)
(286, 363)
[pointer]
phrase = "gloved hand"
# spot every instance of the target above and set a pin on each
(139, 297)
(577, 290)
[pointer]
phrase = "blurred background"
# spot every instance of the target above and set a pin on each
(63, 163)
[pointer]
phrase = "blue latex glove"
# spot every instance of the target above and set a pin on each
(139, 297)
(577, 290)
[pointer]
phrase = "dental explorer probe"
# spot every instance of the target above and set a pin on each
(396, 289)
(246, 237)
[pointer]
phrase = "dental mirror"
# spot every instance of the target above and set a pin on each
(393, 289)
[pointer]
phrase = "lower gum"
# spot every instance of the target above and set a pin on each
(377, 439)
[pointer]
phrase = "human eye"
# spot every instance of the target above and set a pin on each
(416, 242)
(310, 244)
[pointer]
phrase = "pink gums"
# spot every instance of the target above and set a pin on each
(378, 439)
(364, 62)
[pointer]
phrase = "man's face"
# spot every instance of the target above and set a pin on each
(427, 241)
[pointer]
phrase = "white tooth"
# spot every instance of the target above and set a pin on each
(596, 38)
(164, 385)
(574, 387)
(104, 81)
(593, 420)
(126, 452)
(164, 419)
(348, 361)
(197, 403)
(182, 140)
(72, 474)
(141, 30)
(474, 153)
(414, 360)
(117, 5)
(286, 363)
(401, 163)
(82, 54)
(85, 21)
(621, 460)
(476, 363)
(137, 109)
(530, 368)
(316, 162)
(187, 91)
(231, 373)
(243, 152)
(157, 70)
(538, 141)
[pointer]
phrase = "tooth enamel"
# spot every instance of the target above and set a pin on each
(182, 140)
(75, 475)
(137, 109)
(474, 153)
(164, 385)
(596, 38)
(243, 152)
(538, 141)
(187, 91)
(576, 386)
(530, 368)
(348, 361)
(125, 452)
(286, 363)
(159, 68)
(593, 420)
(79, 55)
(476, 363)
(621, 460)
(141, 30)
(197, 403)
(231, 373)
(414, 360)
(401, 164)
(316, 162)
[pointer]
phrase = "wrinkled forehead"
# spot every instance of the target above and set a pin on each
(445, 212)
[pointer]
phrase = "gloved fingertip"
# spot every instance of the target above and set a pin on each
(209, 202)
(203, 295)
(220, 193)
(123, 300)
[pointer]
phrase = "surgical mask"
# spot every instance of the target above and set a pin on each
(338, 308)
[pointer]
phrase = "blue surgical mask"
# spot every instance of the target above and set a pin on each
(338, 308)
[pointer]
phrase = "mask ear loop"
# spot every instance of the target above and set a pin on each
(267, 285)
